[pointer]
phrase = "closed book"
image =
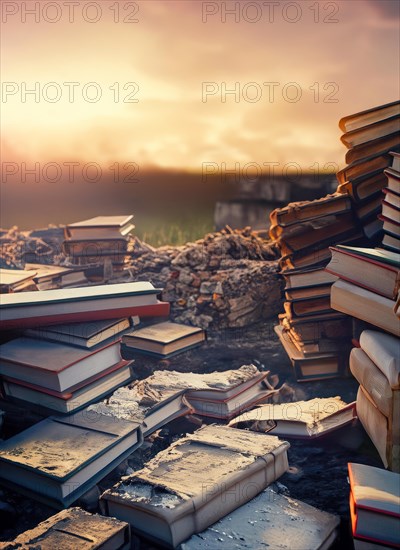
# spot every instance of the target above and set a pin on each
(308, 306)
(391, 197)
(97, 388)
(60, 458)
(374, 504)
(309, 210)
(373, 230)
(95, 247)
(52, 365)
(305, 259)
(383, 350)
(307, 278)
(374, 147)
(323, 345)
(299, 419)
(393, 179)
(305, 293)
(395, 162)
(218, 470)
(363, 168)
(31, 309)
(390, 226)
(369, 116)
(375, 270)
(101, 227)
(391, 243)
(332, 325)
(365, 305)
(370, 132)
(319, 367)
(369, 209)
(13, 279)
(390, 211)
(164, 338)
(75, 528)
(54, 276)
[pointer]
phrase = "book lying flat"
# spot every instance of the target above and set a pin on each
(85, 335)
(163, 339)
(383, 350)
(305, 293)
(215, 395)
(305, 278)
(366, 305)
(391, 197)
(396, 162)
(363, 168)
(391, 243)
(333, 325)
(300, 419)
(370, 132)
(60, 458)
(374, 147)
(390, 226)
(307, 306)
(369, 116)
(75, 528)
(31, 309)
(375, 270)
(55, 276)
(364, 187)
(92, 390)
(318, 367)
(100, 227)
(196, 481)
(52, 365)
(13, 279)
(393, 179)
(262, 521)
(309, 210)
(390, 211)
(95, 247)
(374, 504)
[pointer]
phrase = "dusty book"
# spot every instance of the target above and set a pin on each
(163, 339)
(374, 269)
(271, 515)
(365, 305)
(60, 458)
(85, 335)
(31, 309)
(54, 365)
(74, 528)
(102, 227)
(92, 389)
(196, 481)
(300, 419)
(374, 504)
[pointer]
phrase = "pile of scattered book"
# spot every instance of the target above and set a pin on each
(99, 240)
(370, 136)
(310, 331)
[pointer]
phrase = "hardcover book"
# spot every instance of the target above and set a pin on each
(196, 481)
(60, 458)
(102, 227)
(374, 147)
(369, 116)
(372, 131)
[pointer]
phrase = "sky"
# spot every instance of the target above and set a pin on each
(177, 84)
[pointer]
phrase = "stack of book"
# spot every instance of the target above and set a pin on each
(370, 136)
(17, 280)
(99, 240)
(374, 507)
(390, 215)
(376, 366)
(49, 276)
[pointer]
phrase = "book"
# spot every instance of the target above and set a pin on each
(323, 345)
(84, 335)
(383, 350)
(369, 116)
(215, 395)
(297, 230)
(369, 209)
(308, 306)
(75, 528)
(52, 365)
(375, 270)
(390, 226)
(391, 243)
(300, 419)
(332, 325)
(102, 227)
(374, 504)
(163, 339)
(270, 513)
(391, 197)
(53, 276)
(93, 389)
(364, 304)
(31, 309)
(94, 248)
(373, 230)
(390, 211)
(371, 132)
(366, 167)
(395, 162)
(393, 179)
(305, 293)
(318, 367)
(13, 280)
(60, 458)
(219, 469)
(307, 278)
(302, 211)
(374, 147)
(365, 187)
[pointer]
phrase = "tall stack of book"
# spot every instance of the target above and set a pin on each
(370, 136)
(390, 215)
(310, 331)
(99, 240)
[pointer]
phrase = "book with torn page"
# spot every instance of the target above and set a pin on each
(300, 419)
(60, 458)
(216, 395)
(196, 481)
(375, 504)
(269, 520)
(75, 528)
